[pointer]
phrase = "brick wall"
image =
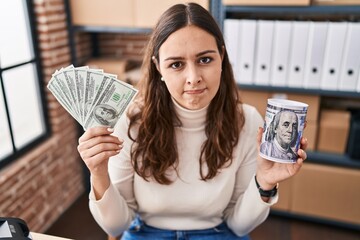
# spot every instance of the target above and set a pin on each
(128, 46)
(112, 45)
(83, 47)
(41, 185)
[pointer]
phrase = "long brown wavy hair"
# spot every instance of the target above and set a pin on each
(154, 151)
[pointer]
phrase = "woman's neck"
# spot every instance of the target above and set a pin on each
(191, 118)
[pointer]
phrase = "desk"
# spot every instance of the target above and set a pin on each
(40, 236)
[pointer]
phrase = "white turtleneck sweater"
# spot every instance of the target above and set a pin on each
(188, 203)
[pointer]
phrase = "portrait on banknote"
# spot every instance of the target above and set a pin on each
(283, 129)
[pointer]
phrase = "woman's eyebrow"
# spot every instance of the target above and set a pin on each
(197, 55)
(205, 52)
(173, 58)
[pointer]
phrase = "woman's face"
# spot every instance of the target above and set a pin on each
(190, 63)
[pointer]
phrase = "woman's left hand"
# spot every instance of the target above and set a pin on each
(269, 173)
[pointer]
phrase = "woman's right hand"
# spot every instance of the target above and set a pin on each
(96, 146)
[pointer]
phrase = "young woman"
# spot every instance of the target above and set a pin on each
(183, 163)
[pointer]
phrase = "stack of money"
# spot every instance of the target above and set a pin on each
(92, 97)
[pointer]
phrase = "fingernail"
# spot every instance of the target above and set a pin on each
(110, 129)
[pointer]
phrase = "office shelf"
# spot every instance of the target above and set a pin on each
(307, 218)
(303, 10)
(341, 163)
(329, 93)
(108, 29)
(341, 160)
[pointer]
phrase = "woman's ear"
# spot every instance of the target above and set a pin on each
(155, 61)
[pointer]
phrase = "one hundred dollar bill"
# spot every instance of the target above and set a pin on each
(112, 103)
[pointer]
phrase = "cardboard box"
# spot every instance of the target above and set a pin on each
(335, 2)
(258, 99)
(327, 192)
(111, 65)
(353, 150)
(268, 2)
(333, 131)
(312, 100)
(285, 192)
(311, 133)
(109, 13)
(147, 13)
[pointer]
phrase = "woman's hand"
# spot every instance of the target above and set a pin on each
(270, 173)
(96, 146)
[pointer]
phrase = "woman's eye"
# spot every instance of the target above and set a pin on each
(176, 65)
(205, 60)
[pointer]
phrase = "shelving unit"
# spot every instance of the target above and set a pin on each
(344, 13)
(331, 12)
(94, 31)
(327, 163)
(333, 159)
(106, 29)
(329, 93)
(349, 11)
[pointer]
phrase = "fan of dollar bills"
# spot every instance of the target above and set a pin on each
(92, 97)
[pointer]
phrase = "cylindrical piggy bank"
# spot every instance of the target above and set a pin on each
(283, 129)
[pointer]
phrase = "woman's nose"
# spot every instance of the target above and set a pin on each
(190, 82)
(193, 76)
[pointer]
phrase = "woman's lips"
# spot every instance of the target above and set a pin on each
(195, 91)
